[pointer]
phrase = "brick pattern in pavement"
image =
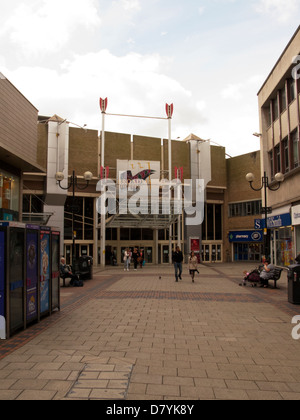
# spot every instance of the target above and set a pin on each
(141, 336)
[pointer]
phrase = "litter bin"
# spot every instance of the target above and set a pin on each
(85, 265)
(294, 284)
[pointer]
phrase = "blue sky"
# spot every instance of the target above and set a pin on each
(209, 58)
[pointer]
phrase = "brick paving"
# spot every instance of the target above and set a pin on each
(129, 336)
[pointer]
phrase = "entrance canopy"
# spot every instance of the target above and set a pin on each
(162, 219)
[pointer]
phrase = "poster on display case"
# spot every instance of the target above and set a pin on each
(55, 242)
(31, 275)
(2, 272)
(195, 247)
(44, 271)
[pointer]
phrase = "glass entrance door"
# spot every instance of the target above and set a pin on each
(211, 253)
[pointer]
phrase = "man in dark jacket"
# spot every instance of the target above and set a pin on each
(177, 259)
(66, 272)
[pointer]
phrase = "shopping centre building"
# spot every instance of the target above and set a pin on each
(56, 181)
(230, 206)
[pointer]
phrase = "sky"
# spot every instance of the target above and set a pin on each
(207, 57)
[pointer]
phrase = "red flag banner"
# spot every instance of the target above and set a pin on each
(103, 104)
(169, 110)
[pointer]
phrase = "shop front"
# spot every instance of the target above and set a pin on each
(296, 227)
(282, 239)
(9, 196)
(246, 245)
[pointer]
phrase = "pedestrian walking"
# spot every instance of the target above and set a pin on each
(177, 258)
(126, 259)
(135, 256)
(141, 258)
(193, 265)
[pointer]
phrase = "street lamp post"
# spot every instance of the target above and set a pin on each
(59, 176)
(266, 210)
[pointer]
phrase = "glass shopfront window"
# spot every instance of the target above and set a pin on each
(284, 247)
(9, 191)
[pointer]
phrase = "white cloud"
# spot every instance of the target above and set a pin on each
(201, 10)
(46, 26)
(131, 4)
(134, 84)
(280, 10)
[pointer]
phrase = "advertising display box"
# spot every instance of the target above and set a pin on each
(29, 275)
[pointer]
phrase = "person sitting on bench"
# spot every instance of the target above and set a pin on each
(66, 272)
(267, 273)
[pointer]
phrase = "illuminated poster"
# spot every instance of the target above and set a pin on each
(195, 244)
(31, 274)
(44, 271)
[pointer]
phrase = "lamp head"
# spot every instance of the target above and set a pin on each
(279, 177)
(59, 176)
(88, 176)
(250, 177)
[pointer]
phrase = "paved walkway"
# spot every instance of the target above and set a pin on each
(141, 336)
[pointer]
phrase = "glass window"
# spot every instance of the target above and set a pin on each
(147, 234)
(88, 218)
(212, 225)
(271, 157)
(32, 203)
(136, 234)
(83, 209)
(292, 92)
(210, 222)
(250, 208)
(218, 222)
(277, 158)
(295, 143)
(282, 100)
(285, 145)
(275, 109)
(284, 247)
(9, 191)
(124, 234)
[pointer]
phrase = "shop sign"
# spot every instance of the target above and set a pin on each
(296, 215)
(274, 221)
(246, 236)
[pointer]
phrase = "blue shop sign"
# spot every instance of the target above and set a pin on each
(246, 236)
(274, 221)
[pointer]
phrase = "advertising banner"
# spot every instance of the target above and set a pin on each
(31, 274)
(296, 215)
(195, 244)
(136, 171)
(44, 270)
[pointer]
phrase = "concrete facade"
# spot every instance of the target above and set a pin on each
(18, 147)
(279, 110)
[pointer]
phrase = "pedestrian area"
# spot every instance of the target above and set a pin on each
(138, 335)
